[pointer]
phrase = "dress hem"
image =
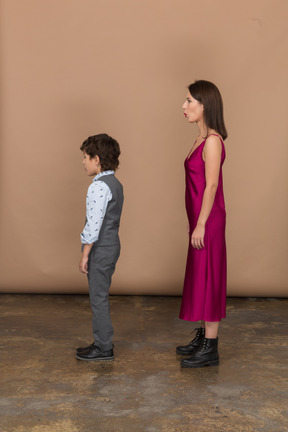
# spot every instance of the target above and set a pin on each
(202, 319)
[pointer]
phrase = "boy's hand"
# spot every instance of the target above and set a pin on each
(83, 265)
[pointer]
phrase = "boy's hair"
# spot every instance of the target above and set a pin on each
(105, 147)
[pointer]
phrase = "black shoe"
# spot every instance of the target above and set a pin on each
(82, 349)
(94, 353)
(195, 343)
(205, 355)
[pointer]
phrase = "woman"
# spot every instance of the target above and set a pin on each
(204, 292)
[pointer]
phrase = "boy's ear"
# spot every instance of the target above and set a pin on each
(97, 160)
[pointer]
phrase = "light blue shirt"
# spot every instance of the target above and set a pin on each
(98, 196)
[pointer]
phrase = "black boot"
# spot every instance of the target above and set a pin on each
(195, 343)
(205, 355)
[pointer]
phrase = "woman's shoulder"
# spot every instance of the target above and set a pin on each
(214, 136)
(213, 144)
(213, 140)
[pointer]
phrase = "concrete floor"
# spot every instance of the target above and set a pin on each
(45, 389)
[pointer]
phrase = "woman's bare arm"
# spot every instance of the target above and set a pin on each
(212, 156)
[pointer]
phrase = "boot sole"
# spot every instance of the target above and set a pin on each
(95, 359)
(211, 363)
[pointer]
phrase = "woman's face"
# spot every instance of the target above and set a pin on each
(193, 109)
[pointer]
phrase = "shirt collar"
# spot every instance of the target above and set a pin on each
(103, 173)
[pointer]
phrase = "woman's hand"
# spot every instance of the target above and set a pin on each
(197, 239)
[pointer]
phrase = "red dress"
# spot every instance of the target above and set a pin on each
(204, 292)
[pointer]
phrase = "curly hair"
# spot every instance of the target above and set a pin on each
(105, 147)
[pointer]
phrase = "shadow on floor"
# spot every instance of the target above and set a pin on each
(43, 388)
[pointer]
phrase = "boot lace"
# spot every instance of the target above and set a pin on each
(203, 345)
(198, 334)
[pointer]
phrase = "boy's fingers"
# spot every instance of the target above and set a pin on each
(83, 269)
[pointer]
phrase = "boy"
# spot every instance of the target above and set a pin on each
(100, 240)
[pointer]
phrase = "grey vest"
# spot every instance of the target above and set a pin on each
(109, 230)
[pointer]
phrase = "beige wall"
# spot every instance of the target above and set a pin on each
(72, 68)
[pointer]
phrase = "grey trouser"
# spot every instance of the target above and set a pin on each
(101, 266)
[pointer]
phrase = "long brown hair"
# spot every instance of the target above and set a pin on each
(209, 96)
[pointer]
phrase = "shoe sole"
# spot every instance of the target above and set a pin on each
(212, 363)
(95, 359)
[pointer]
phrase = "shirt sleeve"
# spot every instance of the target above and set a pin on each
(98, 196)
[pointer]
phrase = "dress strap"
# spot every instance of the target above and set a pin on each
(214, 135)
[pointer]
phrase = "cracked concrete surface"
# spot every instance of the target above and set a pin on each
(45, 389)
